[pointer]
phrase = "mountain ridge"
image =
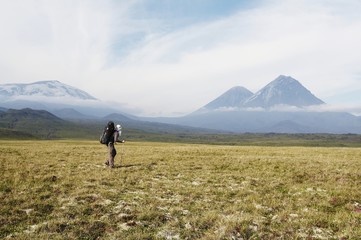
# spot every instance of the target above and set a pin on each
(30, 123)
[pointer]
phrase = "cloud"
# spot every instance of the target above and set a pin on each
(65, 40)
(315, 43)
(127, 51)
(354, 109)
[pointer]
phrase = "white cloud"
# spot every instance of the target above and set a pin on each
(64, 40)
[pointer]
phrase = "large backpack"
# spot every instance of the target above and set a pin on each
(107, 134)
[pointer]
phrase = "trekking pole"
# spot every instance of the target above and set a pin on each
(122, 154)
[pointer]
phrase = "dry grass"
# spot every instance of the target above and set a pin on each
(62, 190)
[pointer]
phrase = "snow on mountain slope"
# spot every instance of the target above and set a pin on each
(42, 89)
(283, 90)
(52, 96)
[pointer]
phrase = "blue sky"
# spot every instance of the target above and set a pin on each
(171, 57)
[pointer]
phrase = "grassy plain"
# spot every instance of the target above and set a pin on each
(62, 190)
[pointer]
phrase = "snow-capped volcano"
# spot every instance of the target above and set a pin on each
(50, 96)
(284, 90)
(56, 97)
(42, 89)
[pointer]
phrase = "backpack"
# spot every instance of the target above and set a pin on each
(107, 134)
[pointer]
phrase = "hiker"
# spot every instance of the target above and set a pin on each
(109, 137)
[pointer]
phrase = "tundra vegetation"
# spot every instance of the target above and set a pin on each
(61, 189)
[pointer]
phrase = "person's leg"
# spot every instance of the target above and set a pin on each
(107, 160)
(112, 153)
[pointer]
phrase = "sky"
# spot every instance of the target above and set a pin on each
(171, 57)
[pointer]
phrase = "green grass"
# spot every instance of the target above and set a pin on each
(62, 190)
(8, 134)
(250, 139)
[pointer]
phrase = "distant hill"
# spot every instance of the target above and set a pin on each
(155, 127)
(35, 122)
(28, 123)
(118, 117)
(70, 114)
(24, 115)
(44, 125)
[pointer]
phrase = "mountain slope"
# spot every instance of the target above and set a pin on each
(239, 121)
(283, 91)
(234, 97)
(42, 89)
(69, 113)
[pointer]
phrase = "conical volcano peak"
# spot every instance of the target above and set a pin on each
(284, 90)
(283, 80)
(239, 90)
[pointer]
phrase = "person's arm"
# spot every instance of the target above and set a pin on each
(116, 134)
